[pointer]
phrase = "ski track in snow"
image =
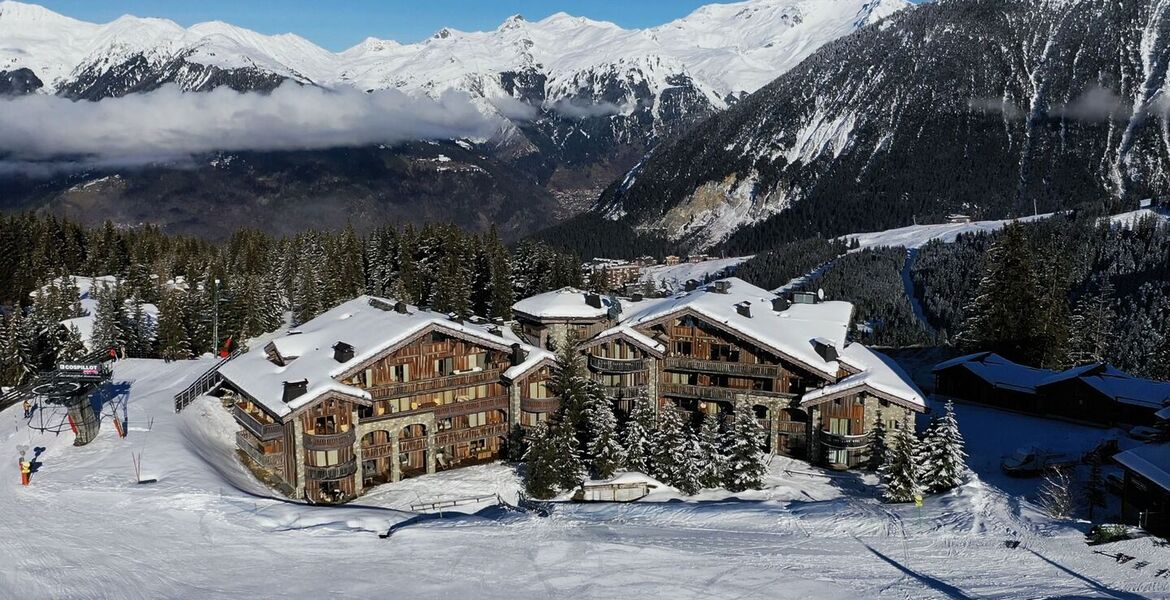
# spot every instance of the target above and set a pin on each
(207, 529)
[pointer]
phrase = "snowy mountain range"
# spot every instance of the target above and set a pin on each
(990, 108)
(581, 101)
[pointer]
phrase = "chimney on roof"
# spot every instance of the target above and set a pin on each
(400, 307)
(342, 352)
(495, 330)
(721, 286)
(294, 390)
(779, 304)
(593, 300)
(804, 298)
(691, 285)
(744, 309)
(825, 349)
(518, 354)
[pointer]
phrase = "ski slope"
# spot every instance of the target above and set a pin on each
(916, 236)
(208, 529)
(673, 278)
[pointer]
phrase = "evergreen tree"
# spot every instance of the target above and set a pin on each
(1002, 317)
(712, 462)
(638, 437)
(109, 328)
(901, 474)
(540, 464)
(173, 341)
(70, 346)
(945, 459)
(567, 456)
(878, 449)
(517, 443)
(16, 365)
(674, 454)
(605, 450)
(745, 461)
(1091, 328)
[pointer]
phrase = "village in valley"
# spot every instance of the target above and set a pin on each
(635, 405)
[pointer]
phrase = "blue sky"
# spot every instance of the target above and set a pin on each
(341, 24)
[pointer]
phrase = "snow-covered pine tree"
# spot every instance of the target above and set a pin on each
(139, 330)
(712, 462)
(173, 343)
(674, 453)
(605, 451)
(945, 462)
(540, 475)
(16, 366)
(109, 327)
(69, 344)
(901, 474)
(745, 461)
(878, 448)
(517, 443)
(638, 436)
(1091, 331)
(567, 456)
(568, 384)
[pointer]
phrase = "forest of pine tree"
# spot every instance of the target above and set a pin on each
(252, 283)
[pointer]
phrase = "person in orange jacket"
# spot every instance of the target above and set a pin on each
(25, 471)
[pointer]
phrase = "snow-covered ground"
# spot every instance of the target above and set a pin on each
(207, 529)
(916, 236)
(673, 277)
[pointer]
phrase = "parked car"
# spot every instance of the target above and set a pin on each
(1033, 461)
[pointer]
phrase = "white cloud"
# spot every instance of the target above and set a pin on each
(167, 124)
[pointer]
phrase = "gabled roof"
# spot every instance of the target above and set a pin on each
(1151, 461)
(876, 374)
(371, 326)
(998, 371)
(789, 333)
(637, 338)
(565, 303)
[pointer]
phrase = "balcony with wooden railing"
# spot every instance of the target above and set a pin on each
(458, 436)
(844, 442)
(339, 471)
(540, 405)
(617, 365)
(379, 451)
(268, 461)
(264, 431)
(467, 407)
(677, 363)
(329, 441)
(707, 392)
(435, 384)
(620, 392)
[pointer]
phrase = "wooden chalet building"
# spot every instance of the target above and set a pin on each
(816, 394)
(1145, 496)
(1096, 393)
(375, 390)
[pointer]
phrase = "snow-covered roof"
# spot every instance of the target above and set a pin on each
(634, 335)
(1151, 461)
(998, 371)
(877, 373)
(790, 332)
(371, 326)
(1163, 414)
(565, 303)
(1116, 384)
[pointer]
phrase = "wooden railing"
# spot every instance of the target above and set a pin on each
(457, 436)
(379, 451)
(707, 392)
(340, 471)
(844, 441)
(208, 381)
(467, 407)
(540, 405)
(329, 441)
(434, 384)
(616, 365)
(260, 429)
(723, 368)
(270, 461)
(623, 392)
